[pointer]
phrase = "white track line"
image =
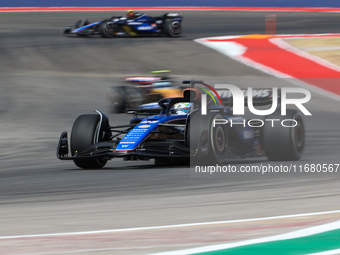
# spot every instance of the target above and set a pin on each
(332, 252)
(295, 234)
(171, 226)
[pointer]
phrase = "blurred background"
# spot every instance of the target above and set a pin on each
(48, 80)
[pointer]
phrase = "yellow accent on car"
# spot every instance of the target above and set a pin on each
(129, 31)
(162, 71)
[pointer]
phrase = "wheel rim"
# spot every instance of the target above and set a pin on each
(220, 139)
(175, 28)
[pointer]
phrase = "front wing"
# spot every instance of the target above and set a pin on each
(146, 150)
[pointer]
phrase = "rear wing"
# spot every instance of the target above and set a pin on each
(172, 15)
(261, 97)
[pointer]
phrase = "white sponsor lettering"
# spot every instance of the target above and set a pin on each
(239, 99)
(145, 28)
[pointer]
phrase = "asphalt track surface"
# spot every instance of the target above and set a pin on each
(47, 80)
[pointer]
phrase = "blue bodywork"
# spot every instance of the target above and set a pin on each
(167, 134)
(142, 24)
(242, 137)
(86, 27)
(138, 134)
(184, 129)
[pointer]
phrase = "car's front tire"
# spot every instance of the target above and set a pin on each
(81, 23)
(109, 29)
(85, 133)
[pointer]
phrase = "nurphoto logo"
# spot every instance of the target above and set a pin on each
(277, 101)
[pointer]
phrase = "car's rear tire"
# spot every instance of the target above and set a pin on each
(121, 97)
(283, 143)
(115, 99)
(133, 97)
(83, 135)
(218, 137)
(196, 136)
(202, 134)
(172, 28)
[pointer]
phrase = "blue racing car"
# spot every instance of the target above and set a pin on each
(134, 24)
(180, 131)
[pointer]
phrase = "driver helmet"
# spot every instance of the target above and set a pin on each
(130, 14)
(182, 108)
